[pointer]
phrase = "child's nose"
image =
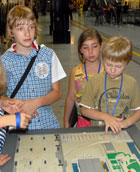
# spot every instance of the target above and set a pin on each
(90, 50)
(27, 32)
(113, 69)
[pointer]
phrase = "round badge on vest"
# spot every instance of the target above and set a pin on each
(42, 70)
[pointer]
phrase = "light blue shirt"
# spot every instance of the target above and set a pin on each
(38, 83)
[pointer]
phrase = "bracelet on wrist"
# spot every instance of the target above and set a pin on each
(18, 120)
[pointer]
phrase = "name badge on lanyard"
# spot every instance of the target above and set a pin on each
(117, 97)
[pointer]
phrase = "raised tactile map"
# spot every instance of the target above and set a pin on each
(77, 152)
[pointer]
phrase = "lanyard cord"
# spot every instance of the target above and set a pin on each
(86, 69)
(117, 97)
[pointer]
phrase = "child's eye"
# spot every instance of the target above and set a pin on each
(118, 66)
(85, 47)
(94, 46)
(32, 27)
(20, 28)
(108, 64)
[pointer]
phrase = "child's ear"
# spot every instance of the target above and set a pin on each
(101, 47)
(11, 35)
(81, 52)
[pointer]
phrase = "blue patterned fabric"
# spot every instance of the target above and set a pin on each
(38, 82)
(2, 134)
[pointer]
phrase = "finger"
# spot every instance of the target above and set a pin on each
(15, 109)
(116, 128)
(113, 129)
(21, 107)
(24, 125)
(120, 130)
(5, 160)
(33, 115)
(106, 129)
(20, 104)
(36, 113)
(11, 102)
(118, 125)
(28, 117)
(3, 156)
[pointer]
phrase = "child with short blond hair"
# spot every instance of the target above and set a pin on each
(109, 96)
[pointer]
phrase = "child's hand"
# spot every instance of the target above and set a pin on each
(29, 107)
(9, 105)
(4, 159)
(18, 102)
(124, 124)
(25, 118)
(22, 104)
(113, 123)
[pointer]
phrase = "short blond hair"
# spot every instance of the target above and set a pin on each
(14, 17)
(117, 49)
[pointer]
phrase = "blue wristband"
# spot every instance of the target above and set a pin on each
(18, 120)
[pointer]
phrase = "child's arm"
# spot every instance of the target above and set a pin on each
(10, 120)
(110, 121)
(69, 102)
(131, 120)
(30, 106)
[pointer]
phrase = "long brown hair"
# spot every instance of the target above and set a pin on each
(87, 34)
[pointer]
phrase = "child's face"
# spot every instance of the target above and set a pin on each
(24, 33)
(114, 69)
(91, 50)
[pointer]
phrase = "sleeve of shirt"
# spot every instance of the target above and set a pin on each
(88, 95)
(58, 72)
(135, 102)
(2, 134)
